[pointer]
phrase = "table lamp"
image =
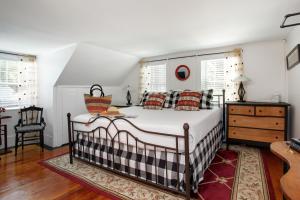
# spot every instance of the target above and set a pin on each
(128, 96)
(241, 91)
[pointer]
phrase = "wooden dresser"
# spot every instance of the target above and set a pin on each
(257, 122)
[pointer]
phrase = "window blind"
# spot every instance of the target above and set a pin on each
(213, 75)
(154, 78)
(18, 81)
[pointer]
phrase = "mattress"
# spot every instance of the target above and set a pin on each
(163, 121)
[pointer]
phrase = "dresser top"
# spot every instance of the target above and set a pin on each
(257, 103)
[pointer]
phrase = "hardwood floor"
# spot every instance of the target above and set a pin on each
(22, 177)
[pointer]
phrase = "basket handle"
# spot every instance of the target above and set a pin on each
(96, 87)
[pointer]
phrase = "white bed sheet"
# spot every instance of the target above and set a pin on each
(162, 121)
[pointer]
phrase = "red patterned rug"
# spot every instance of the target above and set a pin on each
(238, 173)
(219, 177)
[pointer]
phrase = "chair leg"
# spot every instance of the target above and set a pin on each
(16, 143)
(22, 141)
(42, 140)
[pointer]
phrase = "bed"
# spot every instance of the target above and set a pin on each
(165, 148)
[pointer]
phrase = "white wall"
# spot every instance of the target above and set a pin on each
(93, 64)
(264, 64)
(50, 66)
(293, 83)
(78, 65)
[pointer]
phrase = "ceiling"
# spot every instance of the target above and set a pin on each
(139, 27)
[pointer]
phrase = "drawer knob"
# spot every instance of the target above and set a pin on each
(276, 123)
(234, 120)
(260, 111)
(276, 137)
(280, 111)
(233, 133)
(249, 111)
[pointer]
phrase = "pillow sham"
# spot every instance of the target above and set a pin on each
(189, 100)
(97, 105)
(155, 101)
(206, 100)
(172, 99)
(144, 98)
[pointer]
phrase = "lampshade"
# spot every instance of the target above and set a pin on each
(241, 78)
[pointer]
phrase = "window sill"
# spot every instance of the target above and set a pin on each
(12, 108)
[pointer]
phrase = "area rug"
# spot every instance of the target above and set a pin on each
(238, 174)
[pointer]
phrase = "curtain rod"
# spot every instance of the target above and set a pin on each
(178, 57)
(16, 54)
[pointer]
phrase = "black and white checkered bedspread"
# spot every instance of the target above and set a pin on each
(140, 162)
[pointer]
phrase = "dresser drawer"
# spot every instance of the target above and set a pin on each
(270, 111)
(257, 122)
(241, 110)
(255, 134)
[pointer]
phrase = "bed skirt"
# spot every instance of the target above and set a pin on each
(140, 162)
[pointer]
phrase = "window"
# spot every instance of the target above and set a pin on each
(18, 81)
(218, 73)
(213, 75)
(154, 78)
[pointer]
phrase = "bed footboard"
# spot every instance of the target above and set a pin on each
(150, 165)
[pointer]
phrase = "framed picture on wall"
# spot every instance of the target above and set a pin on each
(293, 58)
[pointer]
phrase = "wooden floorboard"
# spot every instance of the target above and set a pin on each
(22, 177)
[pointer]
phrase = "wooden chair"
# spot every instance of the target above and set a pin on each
(31, 120)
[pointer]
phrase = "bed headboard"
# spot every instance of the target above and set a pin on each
(219, 99)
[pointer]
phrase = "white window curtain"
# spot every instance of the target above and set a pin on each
(153, 77)
(18, 81)
(234, 67)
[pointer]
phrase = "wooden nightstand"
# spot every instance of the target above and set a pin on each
(122, 106)
(257, 122)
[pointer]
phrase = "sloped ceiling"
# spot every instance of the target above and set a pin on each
(141, 28)
(92, 64)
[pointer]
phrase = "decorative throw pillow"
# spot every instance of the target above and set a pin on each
(189, 100)
(97, 105)
(155, 101)
(206, 100)
(144, 98)
(171, 99)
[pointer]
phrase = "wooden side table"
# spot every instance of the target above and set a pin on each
(3, 132)
(289, 182)
(122, 105)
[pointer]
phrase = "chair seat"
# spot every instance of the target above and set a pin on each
(29, 128)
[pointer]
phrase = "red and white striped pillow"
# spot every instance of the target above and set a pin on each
(188, 100)
(155, 101)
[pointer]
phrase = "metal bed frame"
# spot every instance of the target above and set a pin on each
(116, 139)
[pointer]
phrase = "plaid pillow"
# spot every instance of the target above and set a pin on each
(172, 99)
(189, 100)
(155, 101)
(97, 105)
(206, 100)
(144, 98)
